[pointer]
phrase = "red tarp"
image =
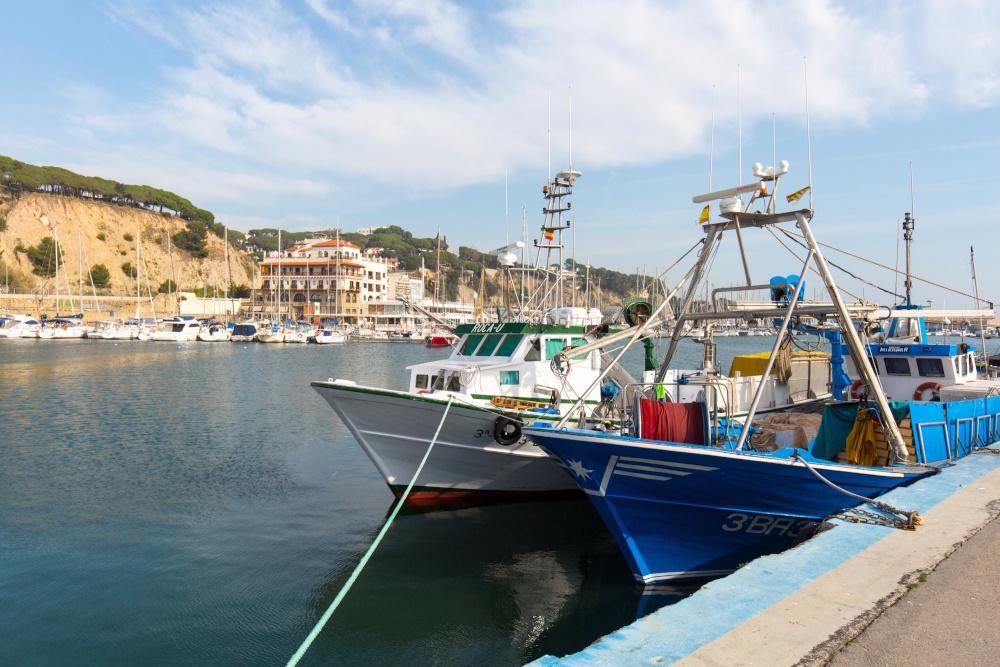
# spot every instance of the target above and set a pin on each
(672, 422)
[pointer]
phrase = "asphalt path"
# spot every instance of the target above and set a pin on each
(951, 618)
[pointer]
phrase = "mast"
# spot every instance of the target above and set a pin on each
(908, 237)
(55, 240)
(281, 286)
(170, 275)
(137, 275)
(336, 289)
(982, 332)
(437, 267)
(79, 243)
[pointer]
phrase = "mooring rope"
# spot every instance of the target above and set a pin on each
(368, 554)
(912, 517)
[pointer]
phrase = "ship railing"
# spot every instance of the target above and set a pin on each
(718, 394)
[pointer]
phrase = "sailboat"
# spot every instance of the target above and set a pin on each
(62, 328)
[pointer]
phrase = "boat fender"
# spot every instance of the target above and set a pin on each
(935, 388)
(856, 389)
(507, 429)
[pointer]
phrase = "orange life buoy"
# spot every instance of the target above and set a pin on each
(856, 389)
(918, 395)
(421, 392)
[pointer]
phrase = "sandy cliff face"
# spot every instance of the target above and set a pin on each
(36, 216)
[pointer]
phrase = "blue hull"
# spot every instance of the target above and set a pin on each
(686, 511)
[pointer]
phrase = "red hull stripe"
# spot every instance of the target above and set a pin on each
(434, 496)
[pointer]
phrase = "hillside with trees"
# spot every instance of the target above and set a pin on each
(18, 178)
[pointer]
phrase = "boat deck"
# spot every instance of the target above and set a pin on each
(804, 604)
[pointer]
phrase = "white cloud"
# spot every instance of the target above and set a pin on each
(264, 89)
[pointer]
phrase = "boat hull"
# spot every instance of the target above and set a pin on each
(689, 512)
(467, 464)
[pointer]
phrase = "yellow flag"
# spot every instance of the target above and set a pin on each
(703, 218)
(797, 195)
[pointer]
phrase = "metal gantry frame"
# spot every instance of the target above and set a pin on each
(744, 220)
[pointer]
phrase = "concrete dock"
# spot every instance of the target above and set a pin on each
(812, 604)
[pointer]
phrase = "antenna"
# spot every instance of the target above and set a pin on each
(913, 210)
(549, 136)
(739, 115)
(506, 213)
(805, 73)
(571, 128)
(711, 151)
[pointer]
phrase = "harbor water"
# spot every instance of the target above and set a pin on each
(200, 504)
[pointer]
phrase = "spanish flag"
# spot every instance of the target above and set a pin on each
(797, 195)
(703, 218)
(549, 234)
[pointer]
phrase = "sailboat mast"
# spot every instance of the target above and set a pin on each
(170, 275)
(281, 286)
(55, 240)
(437, 267)
(79, 244)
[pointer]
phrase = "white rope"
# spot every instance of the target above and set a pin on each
(368, 554)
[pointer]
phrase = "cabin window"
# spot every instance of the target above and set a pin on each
(510, 377)
(903, 328)
(972, 363)
(578, 341)
(930, 368)
(470, 345)
(489, 345)
(553, 346)
(508, 345)
(897, 366)
(439, 382)
(964, 365)
(421, 382)
(453, 383)
(873, 364)
(535, 351)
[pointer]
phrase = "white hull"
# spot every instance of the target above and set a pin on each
(174, 337)
(271, 337)
(328, 337)
(395, 428)
(214, 337)
(61, 334)
(297, 337)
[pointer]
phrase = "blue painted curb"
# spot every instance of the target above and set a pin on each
(676, 631)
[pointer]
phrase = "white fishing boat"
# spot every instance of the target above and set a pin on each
(177, 329)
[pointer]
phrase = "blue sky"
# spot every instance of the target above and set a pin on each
(303, 112)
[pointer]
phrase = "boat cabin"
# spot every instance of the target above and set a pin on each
(912, 369)
(510, 359)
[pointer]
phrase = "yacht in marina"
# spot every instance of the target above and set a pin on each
(20, 326)
(177, 329)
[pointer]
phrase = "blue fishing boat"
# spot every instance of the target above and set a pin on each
(682, 511)
(682, 486)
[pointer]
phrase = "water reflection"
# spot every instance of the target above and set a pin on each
(499, 584)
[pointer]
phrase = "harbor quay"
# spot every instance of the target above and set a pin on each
(828, 599)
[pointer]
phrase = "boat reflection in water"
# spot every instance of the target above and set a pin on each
(495, 584)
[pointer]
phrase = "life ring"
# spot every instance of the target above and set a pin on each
(856, 389)
(507, 430)
(421, 392)
(918, 395)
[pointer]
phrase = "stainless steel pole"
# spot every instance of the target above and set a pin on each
(774, 352)
(854, 343)
(699, 266)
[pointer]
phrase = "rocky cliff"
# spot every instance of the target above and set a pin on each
(104, 230)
